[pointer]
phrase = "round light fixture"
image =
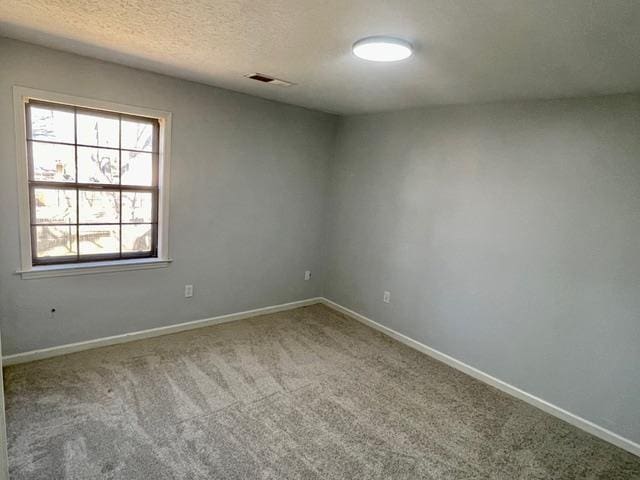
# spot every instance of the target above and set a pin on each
(382, 49)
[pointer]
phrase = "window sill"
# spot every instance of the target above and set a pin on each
(92, 268)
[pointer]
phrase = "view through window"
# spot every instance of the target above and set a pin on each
(93, 184)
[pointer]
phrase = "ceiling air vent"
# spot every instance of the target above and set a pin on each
(261, 77)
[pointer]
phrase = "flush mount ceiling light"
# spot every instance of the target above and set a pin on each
(382, 49)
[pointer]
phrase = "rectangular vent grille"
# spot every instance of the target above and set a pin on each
(261, 77)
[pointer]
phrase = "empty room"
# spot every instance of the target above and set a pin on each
(341, 240)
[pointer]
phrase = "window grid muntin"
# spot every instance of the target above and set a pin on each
(154, 189)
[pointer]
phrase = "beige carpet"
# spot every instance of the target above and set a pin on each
(303, 394)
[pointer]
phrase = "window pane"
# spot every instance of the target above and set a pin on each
(54, 205)
(99, 206)
(136, 238)
(118, 155)
(137, 207)
(53, 162)
(137, 135)
(55, 241)
(51, 124)
(97, 165)
(99, 239)
(137, 168)
(98, 130)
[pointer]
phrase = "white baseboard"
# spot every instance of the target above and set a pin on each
(153, 332)
(547, 407)
(543, 405)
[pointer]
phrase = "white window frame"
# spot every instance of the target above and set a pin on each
(21, 95)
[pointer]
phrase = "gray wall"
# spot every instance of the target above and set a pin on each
(248, 180)
(509, 237)
(507, 234)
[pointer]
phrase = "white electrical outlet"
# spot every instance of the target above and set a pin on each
(386, 297)
(307, 275)
(188, 291)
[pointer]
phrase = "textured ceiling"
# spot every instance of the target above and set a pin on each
(467, 50)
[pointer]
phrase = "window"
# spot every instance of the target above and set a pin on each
(94, 184)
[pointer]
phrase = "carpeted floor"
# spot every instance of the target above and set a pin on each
(303, 394)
